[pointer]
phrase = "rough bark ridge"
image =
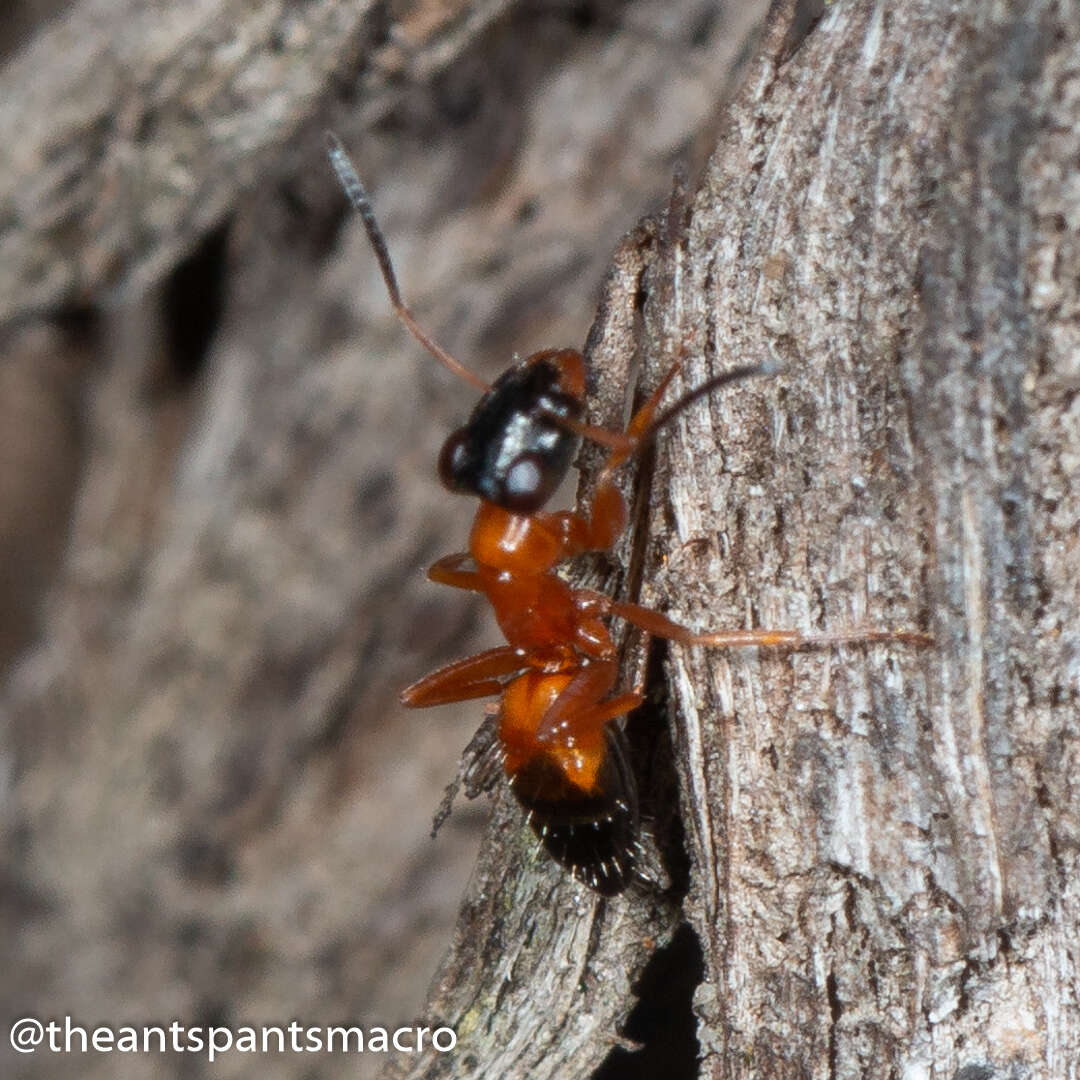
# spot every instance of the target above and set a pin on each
(882, 840)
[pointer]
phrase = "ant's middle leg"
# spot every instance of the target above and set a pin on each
(661, 626)
(583, 709)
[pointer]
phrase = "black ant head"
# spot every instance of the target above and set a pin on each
(513, 451)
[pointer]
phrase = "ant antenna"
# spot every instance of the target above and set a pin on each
(624, 445)
(704, 390)
(361, 203)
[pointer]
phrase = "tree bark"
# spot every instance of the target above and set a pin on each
(881, 839)
(129, 129)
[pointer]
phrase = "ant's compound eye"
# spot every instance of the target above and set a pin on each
(525, 485)
(454, 463)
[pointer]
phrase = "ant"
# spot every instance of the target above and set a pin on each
(556, 735)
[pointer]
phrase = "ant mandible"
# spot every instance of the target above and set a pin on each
(556, 736)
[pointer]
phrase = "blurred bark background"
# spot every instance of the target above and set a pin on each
(218, 497)
(218, 468)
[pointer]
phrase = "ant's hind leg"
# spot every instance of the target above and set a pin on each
(474, 677)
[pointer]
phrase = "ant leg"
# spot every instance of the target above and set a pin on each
(447, 572)
(644, 424)
(622, 444)
(607, 514)
(474, 677)
(580, 710)
(479, 769)
(610, 709)
(663, 627)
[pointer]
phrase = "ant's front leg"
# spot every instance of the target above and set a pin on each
(447, 571)
(474, 677)
(600, 528)
(607, 515)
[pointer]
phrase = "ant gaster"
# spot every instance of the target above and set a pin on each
(556, 677)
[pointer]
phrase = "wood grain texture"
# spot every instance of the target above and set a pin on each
(883, 875)
(881, 839)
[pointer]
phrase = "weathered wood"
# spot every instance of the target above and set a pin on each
(882, 839)
(884, 876)
(129, 129)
